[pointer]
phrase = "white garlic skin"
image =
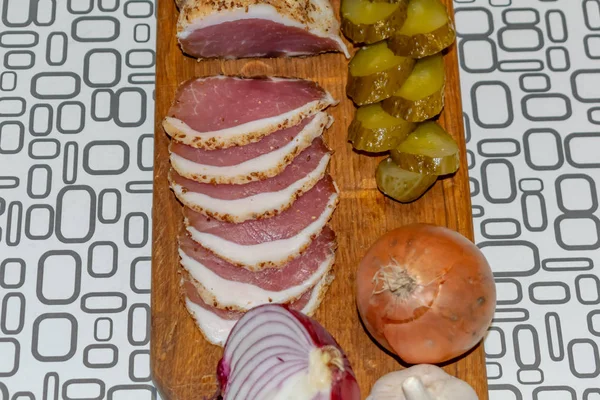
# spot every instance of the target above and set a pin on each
(435, 384)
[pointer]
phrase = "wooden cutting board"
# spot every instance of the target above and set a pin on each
(183, 363)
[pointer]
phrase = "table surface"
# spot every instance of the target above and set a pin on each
(76, 123)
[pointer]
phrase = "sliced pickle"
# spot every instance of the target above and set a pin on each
(427, 30)
(365, 21)
(428, 150)
(375, 73)
(400, 184)
(421, 96)
(373, 130)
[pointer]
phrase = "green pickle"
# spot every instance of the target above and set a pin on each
(366, 21)
(421, 96)
(401, 185)
(427, 30)
(429, 149)
(375, 74)
(373, 130)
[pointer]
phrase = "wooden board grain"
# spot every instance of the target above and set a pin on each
(183, 363)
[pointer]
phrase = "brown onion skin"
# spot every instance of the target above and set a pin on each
(452, 306)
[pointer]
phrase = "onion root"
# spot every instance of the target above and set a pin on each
(395, 279)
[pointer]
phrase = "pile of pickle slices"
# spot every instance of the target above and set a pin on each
(397, 80)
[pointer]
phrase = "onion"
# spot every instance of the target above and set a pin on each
(275, 353)
(426, 293)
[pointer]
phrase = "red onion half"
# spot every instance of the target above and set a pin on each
(275, 353)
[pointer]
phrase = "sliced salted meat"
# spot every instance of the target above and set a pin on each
(258, 28)
(234, 156)
(223, 111)
(252, 162)
(255, 200)
(216, 324)
(266, 39)
(270, 242)
(229, 286)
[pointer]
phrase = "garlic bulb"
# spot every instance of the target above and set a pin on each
(421, 382)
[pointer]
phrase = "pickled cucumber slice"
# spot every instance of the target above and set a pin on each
(427, 30)
(421, 96)
(429, 149)
(365, 21)
(375, 73)
(373, 130)
(400, 184)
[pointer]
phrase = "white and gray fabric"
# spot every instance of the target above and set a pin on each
(76, 128)
(76, 138)
(531, 95)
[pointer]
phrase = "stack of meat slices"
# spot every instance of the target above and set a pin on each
(250, 166)
(258, 28)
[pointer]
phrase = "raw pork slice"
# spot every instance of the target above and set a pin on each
(252, 162)
(224, 285)
(258, 28)
(255, 200)
(223, 111)
(270, 242)
(216, 324)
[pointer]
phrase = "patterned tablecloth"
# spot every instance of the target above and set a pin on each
(76, 125)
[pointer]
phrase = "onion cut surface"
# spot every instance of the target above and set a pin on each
(275, 353)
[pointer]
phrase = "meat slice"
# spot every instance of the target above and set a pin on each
(223, 111)
(216, 324)
(252, 162)
(258, 28)
(228, 286)
(270, 242)
(255, 200)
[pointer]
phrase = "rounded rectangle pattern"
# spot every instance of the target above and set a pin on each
(95, 29)
(75, 225)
